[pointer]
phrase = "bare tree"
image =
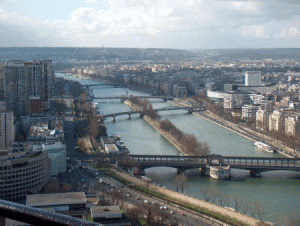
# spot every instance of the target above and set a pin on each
(237, 202)
(207, 194)
(52, 186)
(133, 214)
(260, 210)
(245, 206)
(181, 181)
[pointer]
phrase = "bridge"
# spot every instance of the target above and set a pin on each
(254, 164)
(141, 114)
(104, 84)
(123, 98)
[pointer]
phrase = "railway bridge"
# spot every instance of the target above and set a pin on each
(256, 165)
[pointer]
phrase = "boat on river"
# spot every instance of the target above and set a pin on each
(265, 147)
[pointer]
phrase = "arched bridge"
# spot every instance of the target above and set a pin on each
(141, 114)
(104, 84)
(254, 164)
(123, 98)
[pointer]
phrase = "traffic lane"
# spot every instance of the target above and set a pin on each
(187, 218)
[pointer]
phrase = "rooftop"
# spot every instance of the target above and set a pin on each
(53, 199)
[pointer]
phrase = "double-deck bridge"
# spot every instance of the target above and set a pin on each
(141, 113)
(254, 164)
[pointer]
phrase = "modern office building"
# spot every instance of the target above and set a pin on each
(236, 100)
(24, 79)
(252, 78)
(22, 172)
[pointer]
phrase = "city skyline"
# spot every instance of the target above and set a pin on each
(146, 24)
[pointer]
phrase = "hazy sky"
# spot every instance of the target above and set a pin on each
(180, 24)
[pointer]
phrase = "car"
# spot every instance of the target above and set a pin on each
(182, 214)
(145, 201)
(128, 195)
(171, 212)
(165, 208)
(137, 198)
(152, 202)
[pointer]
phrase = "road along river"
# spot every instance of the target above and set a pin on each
(277, 191)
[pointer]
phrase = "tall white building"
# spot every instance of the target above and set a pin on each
(252, 78)
(7, 134)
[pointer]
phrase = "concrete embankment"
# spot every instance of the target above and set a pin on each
(187, 199)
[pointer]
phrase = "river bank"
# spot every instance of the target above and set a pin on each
(244, 219)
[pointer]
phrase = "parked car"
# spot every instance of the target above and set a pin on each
(182, 214)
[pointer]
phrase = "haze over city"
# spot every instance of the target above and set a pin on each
(191, 24)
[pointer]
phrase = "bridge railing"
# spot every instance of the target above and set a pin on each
(36, 216)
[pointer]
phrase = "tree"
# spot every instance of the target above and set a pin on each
(133, 214)
(260, 210)
(52, 186)
(181, 181)
(59, 107)
(81, 145)
(237, 202)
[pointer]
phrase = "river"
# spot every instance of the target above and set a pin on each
(277, 191)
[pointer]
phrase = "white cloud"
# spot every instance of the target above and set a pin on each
(293, 31)
(164, 23)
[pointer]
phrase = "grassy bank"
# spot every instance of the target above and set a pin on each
(205, 213)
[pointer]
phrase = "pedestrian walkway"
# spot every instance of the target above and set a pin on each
(184, 198)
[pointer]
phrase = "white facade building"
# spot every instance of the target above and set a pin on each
(252, 78)
(292, 125)
(57, 155)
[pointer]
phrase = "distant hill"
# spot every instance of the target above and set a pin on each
(124, 54)
(251, 54)
(138, 54)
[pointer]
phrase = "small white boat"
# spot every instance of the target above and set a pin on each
(264, 147)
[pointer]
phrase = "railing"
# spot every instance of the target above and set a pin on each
(35, 216)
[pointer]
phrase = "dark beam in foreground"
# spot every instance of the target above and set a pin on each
(35, 216)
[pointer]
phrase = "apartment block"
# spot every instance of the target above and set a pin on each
(262, 119)
(276, 121)
(292, 125)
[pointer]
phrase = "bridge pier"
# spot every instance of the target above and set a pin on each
(190, 110)
(141, 115)
(255, 173)
(114, 118)
(129, 115)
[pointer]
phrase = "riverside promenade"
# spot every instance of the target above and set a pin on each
(187, 199)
